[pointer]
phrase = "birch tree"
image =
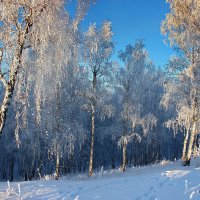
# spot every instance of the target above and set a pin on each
(131, 83)
(39, 40)
(19, 29)
(26, 24)
(181, 26)
(98, 48)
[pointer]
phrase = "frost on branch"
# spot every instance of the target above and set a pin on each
(128, 138)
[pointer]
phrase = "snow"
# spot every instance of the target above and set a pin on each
(163, 181)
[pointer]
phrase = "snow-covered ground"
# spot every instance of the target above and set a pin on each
(163, 181)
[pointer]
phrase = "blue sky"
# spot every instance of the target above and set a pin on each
(132, 20)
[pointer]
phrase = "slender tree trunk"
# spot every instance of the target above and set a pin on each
(11, 168)
(57, 163)
(92, 142)
(191, 143)
(194, 124)
(4, 106)
(58, 129)
(9, 88)
(93, 124)
(124, 157)
(195, 146)
(123, 167)
(113, 157)
(184, 154)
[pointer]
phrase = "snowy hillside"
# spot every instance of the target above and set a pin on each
(164, 181)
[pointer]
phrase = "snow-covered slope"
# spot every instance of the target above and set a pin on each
(164, 181)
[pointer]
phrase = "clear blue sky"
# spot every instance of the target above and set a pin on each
(132, 20)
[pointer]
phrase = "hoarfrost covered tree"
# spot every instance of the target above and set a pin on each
(131, 84)
(26, 24)
(45, 58)
(20, 22)
(62, 74)
(98, 48)
(181, 26)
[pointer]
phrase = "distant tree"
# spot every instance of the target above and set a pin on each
(131, 86)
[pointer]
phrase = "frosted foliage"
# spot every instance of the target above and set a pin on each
(184, 117)
(18, 17)
(106, 111)
(182, 23)
(170, 89)
(99, 47)
(34, 24)
(97, 50)
(128, 138)
(107, 30)
(181, 26)
(148, 122)
(91, 31)
(31, 34)
(179, 92)
(65, 93)
(94, 40)
(131, 86)
(82, 7)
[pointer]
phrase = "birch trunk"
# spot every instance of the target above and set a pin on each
(191, 143)
(93, 125)
(57, 163)
(14, 68)
(124, 157)
(4, 106)
(184, 154)
(194, 125)
(58, 128)
(92, 142)
(9, 89)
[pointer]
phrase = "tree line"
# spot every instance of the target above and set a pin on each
(67, 106)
